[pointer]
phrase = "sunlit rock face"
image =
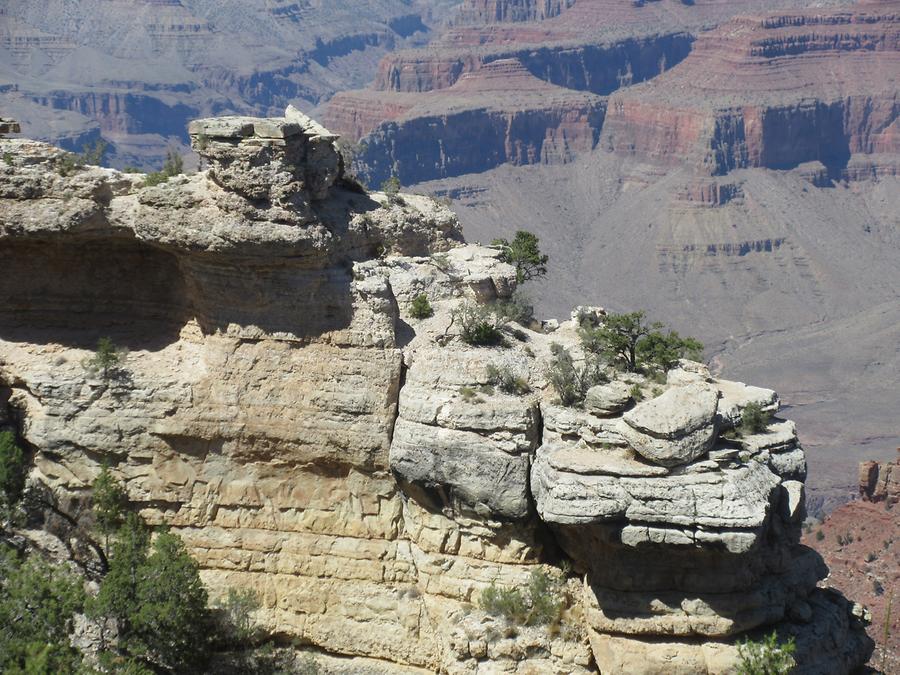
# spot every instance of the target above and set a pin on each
(362, 469)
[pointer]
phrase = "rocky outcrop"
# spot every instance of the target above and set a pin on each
(363, 469)
(9, 126)
(880, 482)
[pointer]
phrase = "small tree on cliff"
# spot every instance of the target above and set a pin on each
(626, 339)
(106, 360)
(524, 254)
(110, 502)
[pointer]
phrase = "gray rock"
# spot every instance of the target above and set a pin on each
(607, 399)
(676, 413)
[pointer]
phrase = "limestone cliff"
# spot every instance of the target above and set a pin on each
(283, 411)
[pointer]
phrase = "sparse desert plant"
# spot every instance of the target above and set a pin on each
(507, 381)
(237, 621)
(391, 189)
(420, 307)
(518, 308)
(540, 604)
(570, 381)
(173, 166)
(754, 420)
(506, 602)
(480, 325)
(636, 393)
(467, 393)
(766, 657)
(820, 535)
(8, 158)
(12, 472)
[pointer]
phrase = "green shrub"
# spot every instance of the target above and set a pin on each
(479, 325)
(572, 382)
(766, 657)
(542, 602)
(636, 393)
(173, 166)
(524, 254)
(109, 503)
(8, 158)
(421, 308)
(506, 602)
(155, 595)
(820, 535)
(237, 626)
(12, 471)
(754, 420)
(468, 394)
(507, 381)
(518, 308)
(38, 603)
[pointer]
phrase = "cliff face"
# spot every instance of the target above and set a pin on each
(751, 94)
(282, 411)
(482, 12)
(499, 114)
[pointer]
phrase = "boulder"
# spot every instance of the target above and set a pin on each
(674, 428)
(607, 399)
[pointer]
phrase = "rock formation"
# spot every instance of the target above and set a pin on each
(282, 410)
(749, 94)
(880, 482)
(499, 114)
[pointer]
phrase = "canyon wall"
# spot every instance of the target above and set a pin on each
(751, 94)
(283, 410)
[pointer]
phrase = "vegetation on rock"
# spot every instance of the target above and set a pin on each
(420, 307)
(106, 360)
(570, 381)
(524, 253)
(540, 604)
(507, 381)
(754, 420)
(12, 472)
(38, 603)
(766, 657)
(626, 340)
(173, 166)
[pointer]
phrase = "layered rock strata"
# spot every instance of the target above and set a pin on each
(364, 470)
(500, 114)
(751, 94)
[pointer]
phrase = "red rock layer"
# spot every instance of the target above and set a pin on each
(499, 114)
(773, 92)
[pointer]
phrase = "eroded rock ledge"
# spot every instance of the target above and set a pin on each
(282, 410)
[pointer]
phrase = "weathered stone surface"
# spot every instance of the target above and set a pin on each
(361, 469)
(607, 399)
